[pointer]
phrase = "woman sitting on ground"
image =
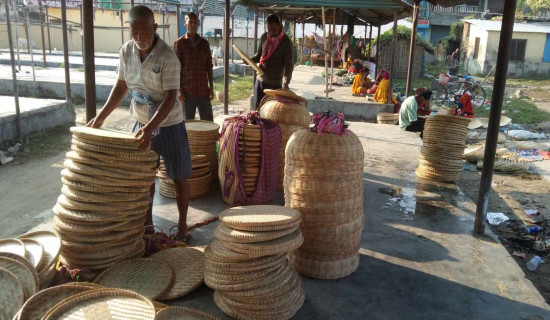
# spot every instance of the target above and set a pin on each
(408, 114)
(381, 95)
(360, 83)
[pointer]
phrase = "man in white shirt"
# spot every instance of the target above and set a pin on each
(151, 70)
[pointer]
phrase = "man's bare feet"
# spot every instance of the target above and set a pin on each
(182, 236)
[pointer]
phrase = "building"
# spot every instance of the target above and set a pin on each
(529, 55)
(434, 22)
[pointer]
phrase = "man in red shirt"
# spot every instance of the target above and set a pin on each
(197, 81)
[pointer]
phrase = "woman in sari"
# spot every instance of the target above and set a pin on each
(360, 83)
(381, 95)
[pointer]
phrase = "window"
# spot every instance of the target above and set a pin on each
(517, 49)
(476, 48)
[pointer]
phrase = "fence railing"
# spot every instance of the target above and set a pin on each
(457, 9)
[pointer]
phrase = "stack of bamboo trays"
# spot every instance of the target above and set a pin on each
(199, 180)
(246, 264)
(287, 110)
(100, 214)
(442, 149)
(324, 181)
(203, 136)
(387, 118)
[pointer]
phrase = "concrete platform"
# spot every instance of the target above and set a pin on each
(55, 60)
(36, 115)
(50, 82)
(419, 259)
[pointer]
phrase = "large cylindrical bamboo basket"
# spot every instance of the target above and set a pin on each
(324, 181)
(287, 110)
(387, 118)
(442, 149)
(203, 136)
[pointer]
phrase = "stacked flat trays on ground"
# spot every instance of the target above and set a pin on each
(443, 145)
(247, 266)
(203, 136)
(199, 180)
(100, 214)
(387, 118)
(291, 115)
(26, 265)
(324, 181)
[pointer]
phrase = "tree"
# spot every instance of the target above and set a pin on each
(538, 6)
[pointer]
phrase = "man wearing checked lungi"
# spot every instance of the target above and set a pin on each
(151, 70)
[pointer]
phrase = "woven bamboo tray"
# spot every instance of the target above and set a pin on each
(103, 304)
(12, 294)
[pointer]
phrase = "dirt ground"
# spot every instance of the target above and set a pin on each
(512, 195)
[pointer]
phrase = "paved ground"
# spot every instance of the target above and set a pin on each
(7, 104)
(57, 75)
(419, 259)
(55, 60)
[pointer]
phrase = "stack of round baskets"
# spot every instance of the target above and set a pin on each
(249, 158)
(387, 118)
(203, 136)
(250, 155)
(246, 263)
(199, 180)
(442, 149)
(287, 110)
(324, 181)
(100, 215)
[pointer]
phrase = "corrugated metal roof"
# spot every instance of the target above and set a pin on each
(490, 25)
(240, 12)
(212, 22)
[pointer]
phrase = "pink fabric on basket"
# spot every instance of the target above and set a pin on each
(266, 184)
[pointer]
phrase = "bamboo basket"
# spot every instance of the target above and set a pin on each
(324, 181)
(291, 116)
(442, 149)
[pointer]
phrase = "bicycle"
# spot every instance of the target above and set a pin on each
(448, 90)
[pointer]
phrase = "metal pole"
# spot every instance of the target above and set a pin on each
(163, 27)
(16, 15)
(247, 37)
(255, 38)
(40, 16)
(370, 50)
(411, 50)
(48, 28)
(232, 32)
(332, 47)
(377, 52)
(226, 59)
(14, 76)
(121, 14)
(178, 16)
(28, 22)
(294, 34)
(89, 63)
(65, 50)
(326, 51)
(394, 43)
(132, 3)
(499, 86)
(365, 33)
(303, 41)
(201, 17)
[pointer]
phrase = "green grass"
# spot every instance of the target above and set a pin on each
(239, 87)
(530, 81)
(401, 84)
(521, 111)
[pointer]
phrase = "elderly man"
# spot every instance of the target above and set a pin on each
(408, 114)
(196, 81)
(275, 57)
(151, 70)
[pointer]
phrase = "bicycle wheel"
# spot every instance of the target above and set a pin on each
(478, 95)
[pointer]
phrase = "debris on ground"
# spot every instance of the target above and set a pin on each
(4, 159)
(394, 192)
(520, 254)
(496, 218)
(525, 135)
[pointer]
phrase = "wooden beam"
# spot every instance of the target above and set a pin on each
(411, 50)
